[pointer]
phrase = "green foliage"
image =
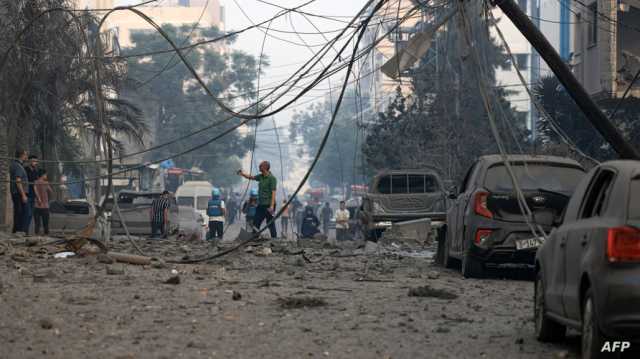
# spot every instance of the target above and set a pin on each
(175, 105)
(340, 162)
(443, 122)
(561, 107)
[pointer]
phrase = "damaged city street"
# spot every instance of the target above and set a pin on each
(391, 179)
(335, 301)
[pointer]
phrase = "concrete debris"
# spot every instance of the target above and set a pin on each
(105, 258)
(236, 295)
(111, 270)
(45, 323)
(263, 252)
(429, 292)
(158, 263)
(301, 302)
(175, 280)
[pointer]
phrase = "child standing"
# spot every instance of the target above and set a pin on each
(42, 190)
(216, 210)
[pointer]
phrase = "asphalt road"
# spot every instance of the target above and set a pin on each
(347, 304)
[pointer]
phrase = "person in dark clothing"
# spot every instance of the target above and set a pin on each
(267, 185)
(310, 223)
(232, 209)
(32, 171)
(159, 215)
(19, 191)
(327, 214)
(249, 209)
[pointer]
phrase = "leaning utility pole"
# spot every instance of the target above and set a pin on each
(571, 84)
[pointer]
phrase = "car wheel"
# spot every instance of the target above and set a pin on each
(592, 337)
(472, 267)
(546, 329)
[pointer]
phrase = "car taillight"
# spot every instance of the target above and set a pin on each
(480, 205)
(482, 235)
(623, 244)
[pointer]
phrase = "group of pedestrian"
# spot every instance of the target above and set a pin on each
(30, 190)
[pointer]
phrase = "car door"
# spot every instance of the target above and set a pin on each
(593, 206)
(466, 189)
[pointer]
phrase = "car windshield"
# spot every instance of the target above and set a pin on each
(402, 184)
(534, 176)
(185, 201)
(634, 199)
(203, 202)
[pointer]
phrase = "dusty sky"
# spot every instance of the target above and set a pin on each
(285, 57)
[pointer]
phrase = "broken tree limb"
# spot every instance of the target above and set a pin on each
(130, 258)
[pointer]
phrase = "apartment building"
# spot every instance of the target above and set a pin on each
(606, 46)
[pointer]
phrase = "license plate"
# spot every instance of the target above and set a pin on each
(529, 243)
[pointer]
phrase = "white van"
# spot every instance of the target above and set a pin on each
(195, 194)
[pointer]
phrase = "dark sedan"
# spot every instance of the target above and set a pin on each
(588, 271)
(485, 225)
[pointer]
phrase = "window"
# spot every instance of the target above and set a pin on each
(579, 28)
(384, 185)
(549, 176)
(521, 61)
(203, 203)
(595, 202)
(185, 201)
(399, 184)
(593, 24)
(416, 184)
(467, 178)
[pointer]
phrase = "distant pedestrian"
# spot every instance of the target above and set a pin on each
(342, 222)
(284, 219)
(232, 209)
(19, 191)
(159, 215)
(216, 210)
(249, 208)
(267, 185)
(326, 214)
(310, 223)
(42, 190)
(32, 175)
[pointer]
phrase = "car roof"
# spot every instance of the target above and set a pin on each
(495, 159)
(627, 166)
(404, 172)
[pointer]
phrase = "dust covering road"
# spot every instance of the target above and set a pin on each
(346, 303)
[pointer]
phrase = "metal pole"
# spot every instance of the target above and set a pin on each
(592, 112)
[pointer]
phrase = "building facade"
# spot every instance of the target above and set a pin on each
(606, 46)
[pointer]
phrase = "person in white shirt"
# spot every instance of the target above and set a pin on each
(342, 222)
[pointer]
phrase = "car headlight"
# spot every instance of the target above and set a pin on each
(377, 208)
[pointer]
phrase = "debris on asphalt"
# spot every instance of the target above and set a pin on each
(45, 323)
(105, 258)
(173, 280)
(263, 252)
(236, 295)
(301, 302)
(426, 291)
(111, 270)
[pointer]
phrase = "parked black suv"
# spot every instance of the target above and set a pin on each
(485, 224)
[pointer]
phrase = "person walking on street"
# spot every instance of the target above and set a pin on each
(216, 210)
(249, 209)
(19, 190)
(42, 190)
(284, 219)
(159, 215)
(342, 222)
(232, 209)
(327, 214)
(32, 175)
(267, 185)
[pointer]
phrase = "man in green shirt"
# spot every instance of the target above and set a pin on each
(267, 185)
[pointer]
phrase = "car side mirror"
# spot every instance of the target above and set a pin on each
(453, 192)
